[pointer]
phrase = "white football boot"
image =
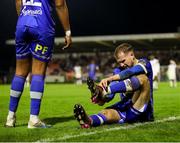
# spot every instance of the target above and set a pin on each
(39, 124)
(11, 121)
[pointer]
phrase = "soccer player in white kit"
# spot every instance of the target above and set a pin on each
(78, 74)
(171, 73)
(156, 71)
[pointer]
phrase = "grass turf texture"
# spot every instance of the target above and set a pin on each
(57, 110)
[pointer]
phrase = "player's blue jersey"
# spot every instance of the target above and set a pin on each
(37, 13)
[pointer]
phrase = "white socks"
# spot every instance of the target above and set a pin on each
(34, 118)
(11, 115)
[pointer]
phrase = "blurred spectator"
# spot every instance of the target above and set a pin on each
(171, 73)
(64, 66)
(156, 71)
(92, 68)
(53, 67)
(78, 74)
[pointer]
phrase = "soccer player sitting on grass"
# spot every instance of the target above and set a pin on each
(133, 80)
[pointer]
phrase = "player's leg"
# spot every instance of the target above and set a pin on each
(17, 86)
(41, 51)
(111, 115)
(144, 93)
(170, 82)
(140, 101)
(138, 104)
(155, 82)
(22, 69)
(141, 87)
(129, 85)
(106, 116)
(36, 92)
(81, 116)
(175, 83)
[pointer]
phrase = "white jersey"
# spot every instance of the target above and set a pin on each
(171, 72)
(77, 71)
(155, 67)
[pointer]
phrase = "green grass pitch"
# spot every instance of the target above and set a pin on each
(57, 110)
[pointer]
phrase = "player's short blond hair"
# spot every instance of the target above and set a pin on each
(125, 47)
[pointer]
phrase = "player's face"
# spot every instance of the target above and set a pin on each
(125, 60)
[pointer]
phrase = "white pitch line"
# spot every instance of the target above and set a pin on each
(65, 137)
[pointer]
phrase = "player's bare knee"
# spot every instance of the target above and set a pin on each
(110, 114)
(106, 113)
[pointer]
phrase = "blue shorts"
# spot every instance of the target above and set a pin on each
(129, 116)
(34, 41)
(127, 112)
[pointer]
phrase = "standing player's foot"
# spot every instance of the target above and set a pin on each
(10, 123)
(81, 116)
(38, 124)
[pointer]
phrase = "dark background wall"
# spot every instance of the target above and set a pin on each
(102, 17)
(99, 17)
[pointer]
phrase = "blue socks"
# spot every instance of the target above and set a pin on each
(17, 87)
(98, 119)
(36, 93)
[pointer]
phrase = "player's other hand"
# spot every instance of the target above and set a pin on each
(68, 41)
(97, 97)
(104, 83)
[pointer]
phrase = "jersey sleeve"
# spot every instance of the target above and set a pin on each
(116, 71)
(142, 67)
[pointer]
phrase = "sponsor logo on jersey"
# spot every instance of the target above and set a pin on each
(31, 12)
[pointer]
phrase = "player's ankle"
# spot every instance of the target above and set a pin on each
(34, 118)
(90, 121)
(11, 115)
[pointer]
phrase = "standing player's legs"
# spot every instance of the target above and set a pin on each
(17, 86)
